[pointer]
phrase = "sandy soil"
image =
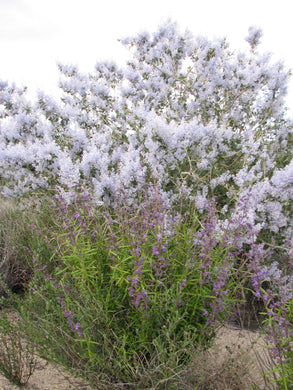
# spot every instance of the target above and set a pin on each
(46, 377)
(248, 350)
(230, 344)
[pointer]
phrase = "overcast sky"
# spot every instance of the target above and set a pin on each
(35, 34)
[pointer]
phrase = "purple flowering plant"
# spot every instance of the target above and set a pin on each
(130, 286)
(133, 285)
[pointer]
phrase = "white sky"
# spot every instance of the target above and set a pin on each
(35, 34)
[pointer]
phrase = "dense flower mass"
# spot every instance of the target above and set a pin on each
(190, 114)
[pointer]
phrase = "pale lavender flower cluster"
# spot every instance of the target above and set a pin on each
(192, 112)
(254, 36)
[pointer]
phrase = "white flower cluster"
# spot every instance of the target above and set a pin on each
(186, 112)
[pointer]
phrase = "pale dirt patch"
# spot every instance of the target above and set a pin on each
(250, 349)
(236, 361)
(244, 347)
(47, 376)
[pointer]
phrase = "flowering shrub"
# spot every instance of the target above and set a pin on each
(188, 112)
(132, 290)
(186, 122)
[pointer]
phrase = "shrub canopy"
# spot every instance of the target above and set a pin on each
(190, 114)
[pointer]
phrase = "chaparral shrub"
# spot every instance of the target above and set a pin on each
(187, 112)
